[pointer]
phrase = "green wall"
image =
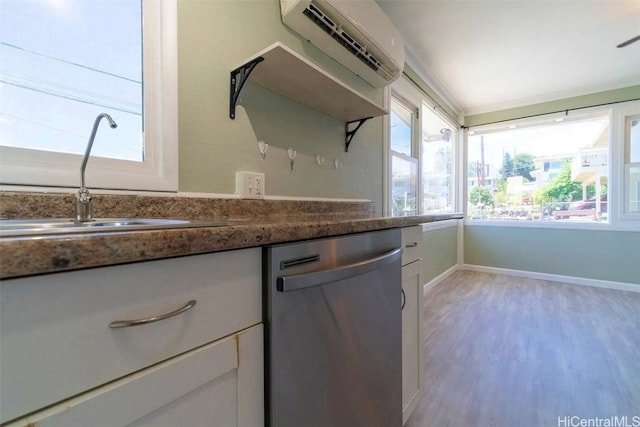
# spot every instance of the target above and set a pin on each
(592, 254)
(602, 255)
(599, 98)
(216, 36)
(440, 251)
(213, 38)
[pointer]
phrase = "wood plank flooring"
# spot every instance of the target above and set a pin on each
(508, 351)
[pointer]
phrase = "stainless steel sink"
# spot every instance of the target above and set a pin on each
(38, 227)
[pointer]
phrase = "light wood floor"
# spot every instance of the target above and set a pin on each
(508, 351)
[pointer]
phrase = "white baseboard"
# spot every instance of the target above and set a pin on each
(440, 277)
(620, 286)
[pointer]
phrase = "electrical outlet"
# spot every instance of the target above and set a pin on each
(250, 185)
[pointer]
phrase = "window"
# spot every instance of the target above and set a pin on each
(632, 164)
(422, 155)
(544, 169)
(437, 163)
(77, 60)
(404, 159)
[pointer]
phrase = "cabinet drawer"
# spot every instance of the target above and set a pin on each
(55, 339)
(411, 244)
(218, 384)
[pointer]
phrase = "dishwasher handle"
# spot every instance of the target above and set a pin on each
(307, 280)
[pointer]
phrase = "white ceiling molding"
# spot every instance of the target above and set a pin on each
(431, 81)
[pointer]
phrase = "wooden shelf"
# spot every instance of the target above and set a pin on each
(284, 71)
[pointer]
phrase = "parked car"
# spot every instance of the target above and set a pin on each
(589, 204)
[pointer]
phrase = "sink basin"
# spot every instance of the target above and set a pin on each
(38, 227)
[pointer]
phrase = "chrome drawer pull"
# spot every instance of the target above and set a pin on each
(129, 323)
(404, 299)
(411, 245)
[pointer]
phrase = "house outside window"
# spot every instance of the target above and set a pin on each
(76, 61)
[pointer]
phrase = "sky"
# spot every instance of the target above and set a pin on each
(63, 62)
(59, 58)
(557, 139)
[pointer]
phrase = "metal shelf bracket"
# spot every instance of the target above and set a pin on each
(349, 134)
(239, 77)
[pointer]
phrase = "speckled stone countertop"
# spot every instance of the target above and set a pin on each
(252, 223)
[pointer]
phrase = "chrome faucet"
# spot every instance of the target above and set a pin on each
(84, 209)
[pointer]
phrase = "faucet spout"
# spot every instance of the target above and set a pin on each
(87, 152)
(83, 198)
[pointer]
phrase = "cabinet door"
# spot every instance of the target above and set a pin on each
(219, 384)
(55, 336)
(411, 337)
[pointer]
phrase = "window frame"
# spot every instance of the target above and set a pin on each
(415, 149)
(618, 217)
(159, 170)
(453, 140)
(412, 97)
(628, 164)
(623, 115)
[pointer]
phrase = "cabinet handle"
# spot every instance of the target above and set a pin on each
(411, 245)
(128, 323)
(404, 299)
(322, 277)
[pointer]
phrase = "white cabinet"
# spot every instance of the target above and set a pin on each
(219, 384)
(412, 314)
(57, 347)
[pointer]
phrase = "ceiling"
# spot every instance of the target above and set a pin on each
(484, 55)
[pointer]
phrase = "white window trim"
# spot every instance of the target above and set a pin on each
(618, 219)
(159, 171)
(416, 150)
(628, 109)
(386, 154)
(439, 225)
(407, 92)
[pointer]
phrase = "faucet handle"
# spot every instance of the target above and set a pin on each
(84, 208)
(84, 196)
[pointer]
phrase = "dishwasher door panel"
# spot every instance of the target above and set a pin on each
(335, 349)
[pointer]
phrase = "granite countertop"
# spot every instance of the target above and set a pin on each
(24, 256)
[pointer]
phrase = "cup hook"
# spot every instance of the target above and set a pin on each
(292, 156)
(263, 146)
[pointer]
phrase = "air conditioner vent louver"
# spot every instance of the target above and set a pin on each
(356, 34)
(337, 33)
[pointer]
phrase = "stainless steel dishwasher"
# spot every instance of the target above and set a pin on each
(333, 342)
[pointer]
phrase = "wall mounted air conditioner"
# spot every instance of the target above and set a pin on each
(357, 34)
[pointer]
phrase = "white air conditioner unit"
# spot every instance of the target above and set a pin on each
(357, 34)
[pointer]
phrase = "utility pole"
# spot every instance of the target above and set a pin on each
(482, 168)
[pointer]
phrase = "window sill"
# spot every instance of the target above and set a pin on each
(432, 226)
(621, 226)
